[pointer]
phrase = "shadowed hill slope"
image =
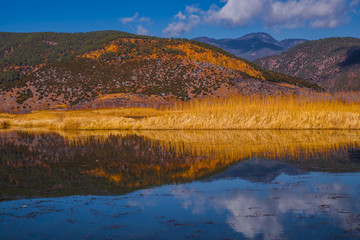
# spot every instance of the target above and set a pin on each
(332, 63)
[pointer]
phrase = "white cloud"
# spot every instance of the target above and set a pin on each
(135, 18)
(144, 19)
(185, 22)
(235, 12)
(318, 14)
(127, 20)
(193, 9)
(180, 16)
(141, 30)
(271, 13)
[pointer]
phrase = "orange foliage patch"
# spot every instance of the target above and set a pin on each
(196, 53)
(112, 47)
(192, 52)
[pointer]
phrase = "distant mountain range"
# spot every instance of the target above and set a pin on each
(252, 46)
(332, 63)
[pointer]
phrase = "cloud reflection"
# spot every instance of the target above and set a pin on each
(262, 210)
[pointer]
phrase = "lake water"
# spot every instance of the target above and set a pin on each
(179, 184)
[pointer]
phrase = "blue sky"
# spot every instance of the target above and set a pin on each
(310, 19)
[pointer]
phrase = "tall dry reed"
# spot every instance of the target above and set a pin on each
(237, 112)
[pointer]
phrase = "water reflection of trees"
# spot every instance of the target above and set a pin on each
(63, 163)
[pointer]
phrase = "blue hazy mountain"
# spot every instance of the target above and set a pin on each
(252, 46)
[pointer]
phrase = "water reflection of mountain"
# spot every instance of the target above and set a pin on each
(39, 163)
(258, 170)
(354, 155)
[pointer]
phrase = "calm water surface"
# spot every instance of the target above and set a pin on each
(179, 185)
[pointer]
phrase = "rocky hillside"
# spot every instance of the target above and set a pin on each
(253, 46)
(332, 63)
(120, 69)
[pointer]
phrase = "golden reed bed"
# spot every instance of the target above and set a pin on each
(237, 112)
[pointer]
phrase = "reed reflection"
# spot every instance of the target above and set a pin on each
(44, 163)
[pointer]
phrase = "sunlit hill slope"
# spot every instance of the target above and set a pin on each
(114, 69)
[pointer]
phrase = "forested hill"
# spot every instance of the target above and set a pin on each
(45, 70)
(22, 53)
(332, 63)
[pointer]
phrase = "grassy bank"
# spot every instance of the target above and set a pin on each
(238, 112)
